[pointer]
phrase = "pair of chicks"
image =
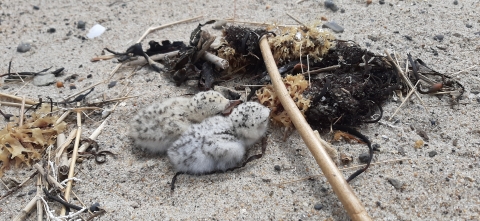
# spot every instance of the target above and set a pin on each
(196, 138)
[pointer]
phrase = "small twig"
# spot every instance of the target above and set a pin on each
(405, 78)
(342, 169)
(19, 186)
(26, 210)
(64, 115)
(39, 202)
(217, 61)
(157, 57)
(331, 68)
(27, 101)
(114, 99)
(405, 100)
(151, 29)
(102, 57)
(22, 109)
(71, 172)
(49, 178)
(296, 19)
(11, 104)
(464, 70)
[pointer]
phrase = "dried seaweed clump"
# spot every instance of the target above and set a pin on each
(313, 42)
(295, 85)
(240, 46)
(24, 144)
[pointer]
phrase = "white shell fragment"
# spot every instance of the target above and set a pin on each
(96, 31)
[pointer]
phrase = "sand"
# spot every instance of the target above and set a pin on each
(135, 185)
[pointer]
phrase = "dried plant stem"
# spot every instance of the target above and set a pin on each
(71, 172)
(409, 83)
(151, 29)
(404, 100)
(332, 152)
(50, 178)
(156, 57)
(26, 210)
(352, 204)
(343, 169)
(114, 99)
(102, 57)
(217, 61)
(64, 115)
(27, 101)
(39, 202)
(11, 104)
(331, 68)
(22, 110)
(296, 19)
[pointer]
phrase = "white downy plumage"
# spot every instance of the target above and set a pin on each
(156, 127)
(219, 143)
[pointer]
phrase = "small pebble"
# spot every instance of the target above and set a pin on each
(36, 7)
(395, 183)
(342, 10)
(72, 87)
(438, 37)
(44, 80)
(330, 5)
(24, 47)
(112, 84)
(318, 206)
(442, 47)
(277, 168)
(32, 191)
(81, 25)
(364, 157)
(89, 76)
(219, 24)
(376, 147)
(455, 142)
(381, 2)
(455, 2)
(432, 153)
(334, 26)
(373, 38)
(51, 30)
(401, 151)
(408, 37)
(468, 26)
(94, 207)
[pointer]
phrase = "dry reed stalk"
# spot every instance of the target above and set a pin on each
(342, 189)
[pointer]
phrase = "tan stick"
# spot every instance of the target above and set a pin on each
(25, 211)
(330, 150)
(22, 109)
(352, 204)
(217, 61)
(405, 100)
(50, 178)
(156, 57)
(342, 169)
(409, 83)
(11, 104)
(27, 101)
(296, 19)
(39, 202)
(151, 29)
(71, 172)
(331, 68)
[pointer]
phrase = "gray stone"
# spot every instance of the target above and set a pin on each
(318, 206)
(395, 183)
(330, 5)
(334, 26)
(24, 47)
(364, 157)
(277, 168)
(219, 24)
(432, 153)
(44, 79)
(81, 24)
(438, 37)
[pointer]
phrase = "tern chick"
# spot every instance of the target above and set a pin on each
(156, 127)
(219, 143)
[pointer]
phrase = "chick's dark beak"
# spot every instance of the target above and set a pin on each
(232, 104)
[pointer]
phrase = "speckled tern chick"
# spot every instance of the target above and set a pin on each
(219, 143)
(156, 127)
